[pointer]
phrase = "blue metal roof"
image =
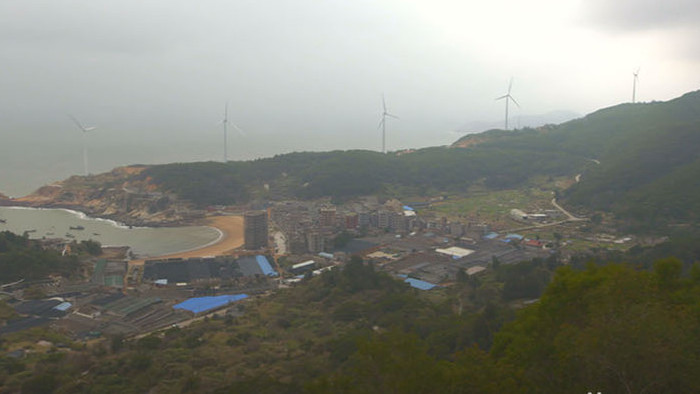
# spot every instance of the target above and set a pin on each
(514, 236)
(203, 304)
(265, 266)
(407, 208)
(490, 235)
(64, 306)
(420, 284)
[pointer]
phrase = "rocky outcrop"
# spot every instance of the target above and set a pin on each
(469, 141)
(122, 194)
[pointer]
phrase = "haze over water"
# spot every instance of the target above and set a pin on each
(144, 241)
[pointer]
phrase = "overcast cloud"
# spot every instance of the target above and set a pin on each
(153, 76)
(644, 14)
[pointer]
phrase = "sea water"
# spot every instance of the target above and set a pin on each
(144, 241)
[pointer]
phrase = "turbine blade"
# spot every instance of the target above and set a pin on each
(391, 116)
(502, 97)
(381, 123)
(516, 103)
(510, 85)
(91, 128)
(80, 126)
(383, 103)
(240, 131)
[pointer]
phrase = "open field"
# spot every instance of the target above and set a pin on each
(494, 207)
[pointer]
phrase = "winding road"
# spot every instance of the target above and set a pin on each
(567, 213)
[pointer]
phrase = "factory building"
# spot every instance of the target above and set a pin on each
(327, 217)
(255, 230)
(315, 242)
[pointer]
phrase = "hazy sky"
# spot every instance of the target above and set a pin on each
(309, 75)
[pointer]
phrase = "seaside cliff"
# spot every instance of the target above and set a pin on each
(122, 195)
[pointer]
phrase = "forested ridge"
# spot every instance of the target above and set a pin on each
(647, 173)
(641, 159)
(638, 161)
(346, 174)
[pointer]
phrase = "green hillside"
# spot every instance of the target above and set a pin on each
(649, 169)
(343, 174)
(647, 154)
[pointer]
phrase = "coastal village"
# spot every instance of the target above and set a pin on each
(278, 244)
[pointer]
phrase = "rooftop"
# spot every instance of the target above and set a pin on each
(203, 304)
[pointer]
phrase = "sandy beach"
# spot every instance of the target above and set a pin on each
(231, 228)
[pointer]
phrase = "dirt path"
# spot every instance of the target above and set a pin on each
(565, 212)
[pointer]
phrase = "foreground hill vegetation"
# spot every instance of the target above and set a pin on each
(609, 327)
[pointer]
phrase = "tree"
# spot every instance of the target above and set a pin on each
(609, 329)
(395, 362)
(93, 248)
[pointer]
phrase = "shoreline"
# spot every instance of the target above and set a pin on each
(229, 226)
(120, 219)
(81, 215)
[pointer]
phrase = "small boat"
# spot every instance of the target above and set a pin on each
(69, 235)
(31, 231)
(3, 220)
(77, 228)
(49, 233)
(96, 234)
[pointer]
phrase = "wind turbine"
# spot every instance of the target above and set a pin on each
(382, 123)
(225, 123)
(85, 130)
(634, 85)
(508, 98)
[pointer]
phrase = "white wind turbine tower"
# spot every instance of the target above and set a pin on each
(225, 123)
(508, 98)
(634, 85)
(382, 123)
(85, 130)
